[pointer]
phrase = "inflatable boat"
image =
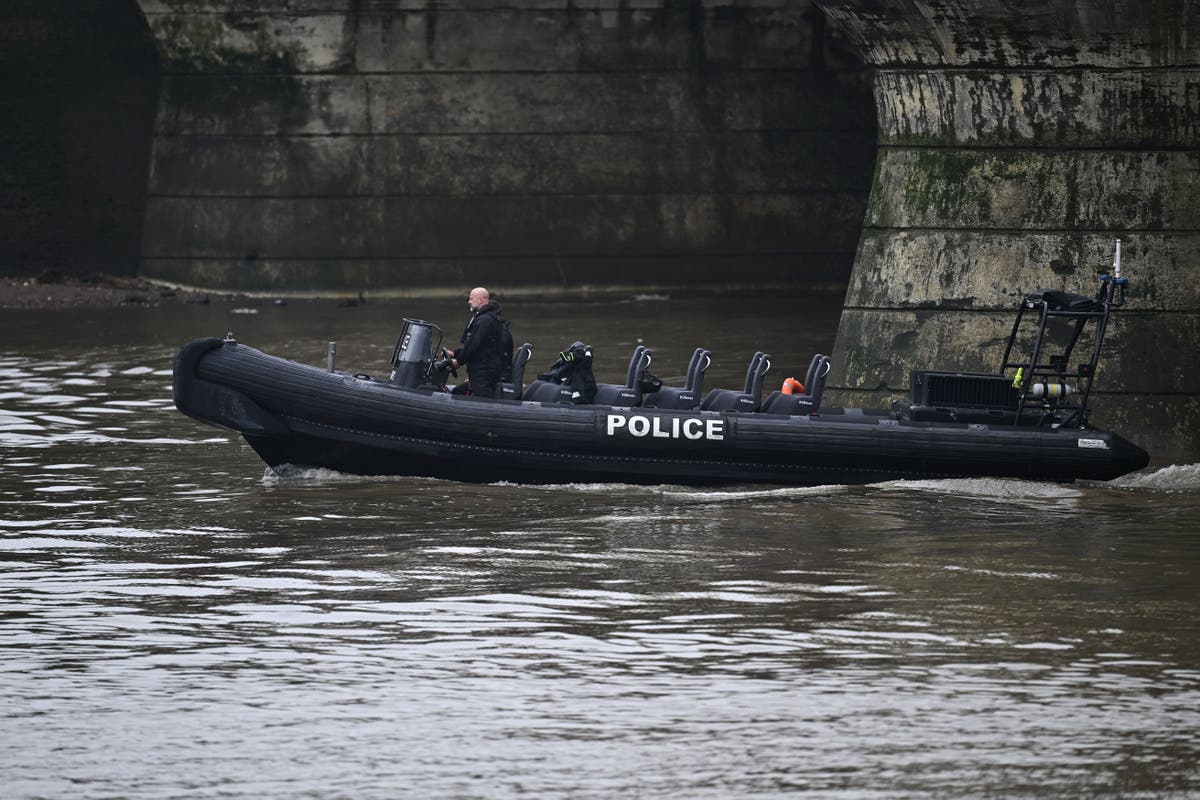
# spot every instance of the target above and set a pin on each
(1027, 420)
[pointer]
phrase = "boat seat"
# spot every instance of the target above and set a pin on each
(514, 389)
(1065, 301)
(746, 400)
(810, 400)
(611, 394)
(686, 397)
(548, 392)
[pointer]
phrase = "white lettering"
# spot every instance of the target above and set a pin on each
(639, 426)
(657, 428)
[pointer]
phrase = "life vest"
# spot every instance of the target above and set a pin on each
(791, 386)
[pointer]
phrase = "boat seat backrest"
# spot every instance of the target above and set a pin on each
(755, 374)
(686, 397)
(752, 370)
(810, 401)
(749, 398)
(514, 389)
(813, 367)
(634, 361)
(701, 359)
(611, 394)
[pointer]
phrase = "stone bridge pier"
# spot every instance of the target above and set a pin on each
(1017, 142)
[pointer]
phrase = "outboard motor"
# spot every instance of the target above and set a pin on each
(415, 352)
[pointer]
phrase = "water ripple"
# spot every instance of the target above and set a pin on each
(178, 622)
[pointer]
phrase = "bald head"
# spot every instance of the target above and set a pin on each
(478, 299)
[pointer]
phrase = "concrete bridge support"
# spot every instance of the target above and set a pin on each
(1017, 141)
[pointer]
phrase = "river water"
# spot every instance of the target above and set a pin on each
(175, 621)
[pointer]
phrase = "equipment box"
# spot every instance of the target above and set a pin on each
(963, 390)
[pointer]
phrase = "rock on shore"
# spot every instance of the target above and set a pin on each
(53, 289)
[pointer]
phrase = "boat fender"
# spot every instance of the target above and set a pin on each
(791, 386)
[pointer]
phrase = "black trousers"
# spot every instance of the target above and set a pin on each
(480, 383)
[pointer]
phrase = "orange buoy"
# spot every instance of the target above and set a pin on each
(791, 386)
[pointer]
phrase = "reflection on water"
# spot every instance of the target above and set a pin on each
(178, 622)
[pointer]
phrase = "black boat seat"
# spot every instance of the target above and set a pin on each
(611, 394)
(514, 389)
(746, 400)
(547, 392)
(1059, 300)
(810, 400)
(686, 397)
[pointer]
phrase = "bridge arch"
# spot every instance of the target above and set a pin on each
(80, 93)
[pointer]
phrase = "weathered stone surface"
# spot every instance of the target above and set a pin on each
(201, 166)
(1018, 141)
(991, 270)
(1103, 34)
(611, 102)
(886, 346)
(235, 40)
(263, 105)
(528, 275)
(387, 37)
(1036, 190)
(629, 38)
(567, 225)
(359, 134)
(1066, 108)
(589, 163)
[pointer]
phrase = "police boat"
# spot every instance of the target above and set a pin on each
(1027, 420)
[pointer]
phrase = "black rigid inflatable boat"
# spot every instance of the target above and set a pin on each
(1028, 420)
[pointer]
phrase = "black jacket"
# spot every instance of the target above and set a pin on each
(480, 351)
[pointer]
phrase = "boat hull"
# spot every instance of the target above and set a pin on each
(297, 414)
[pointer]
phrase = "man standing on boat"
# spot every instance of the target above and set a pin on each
(481, 350)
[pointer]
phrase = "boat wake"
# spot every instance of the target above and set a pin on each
(1175, 478)
(729, 496)
(696, 495)
(984, 488)
(292, 475)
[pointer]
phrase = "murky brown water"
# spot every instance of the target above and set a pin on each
(176, 622)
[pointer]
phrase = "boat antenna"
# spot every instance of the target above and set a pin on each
(1112, 285)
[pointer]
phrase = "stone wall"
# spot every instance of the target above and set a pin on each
(396, 146)
(78, 93)
(1018, 141)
